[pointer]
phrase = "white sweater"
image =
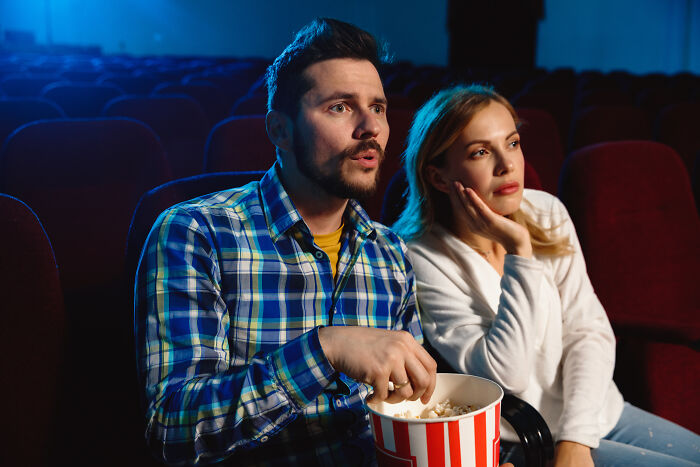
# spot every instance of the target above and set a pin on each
(539, 331)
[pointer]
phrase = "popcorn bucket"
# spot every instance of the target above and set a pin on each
(472, 439)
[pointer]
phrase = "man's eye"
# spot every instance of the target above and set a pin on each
(378, 109)
(339, 108)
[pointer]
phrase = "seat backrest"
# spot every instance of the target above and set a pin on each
(179, 122)
(250, 104)
(31, 335)
(395, 201)
(539, 137)
(633, 209)
(83, 178)
(558, 101)
(158, 199)
(16, 111)
(29, 85)
(600, 123)
(81, 100)
(130, 84)
(676, 126)
(209, 96)
(239, 144)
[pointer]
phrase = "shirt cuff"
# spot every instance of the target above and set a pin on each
(302, 369)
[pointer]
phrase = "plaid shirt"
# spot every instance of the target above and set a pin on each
(230, 294)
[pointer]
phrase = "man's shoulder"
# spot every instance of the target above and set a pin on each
(240, 202)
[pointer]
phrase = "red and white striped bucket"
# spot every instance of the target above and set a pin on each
(466, 440)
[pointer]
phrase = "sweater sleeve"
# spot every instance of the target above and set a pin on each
(588, 344)
(462, 326)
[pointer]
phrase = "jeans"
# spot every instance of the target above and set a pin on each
(639, 439)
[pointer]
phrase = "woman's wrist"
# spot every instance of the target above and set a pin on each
(522, 248)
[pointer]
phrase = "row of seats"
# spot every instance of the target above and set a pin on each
(640, 243)
(240, 142)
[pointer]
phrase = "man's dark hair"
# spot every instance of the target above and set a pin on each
(322, 39)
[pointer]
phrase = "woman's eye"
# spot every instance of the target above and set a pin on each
(479, 153)
(339, 108)
(515, 143)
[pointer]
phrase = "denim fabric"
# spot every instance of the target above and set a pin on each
(639, 439)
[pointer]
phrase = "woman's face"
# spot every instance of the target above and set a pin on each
(487, 158)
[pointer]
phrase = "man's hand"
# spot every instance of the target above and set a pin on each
(568, 453)
(377, 356)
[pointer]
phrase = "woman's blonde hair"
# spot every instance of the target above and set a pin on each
(436, 126)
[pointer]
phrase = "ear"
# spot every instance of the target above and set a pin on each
(279, 130)
(435, 177)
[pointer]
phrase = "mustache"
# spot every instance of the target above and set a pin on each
(364, 146)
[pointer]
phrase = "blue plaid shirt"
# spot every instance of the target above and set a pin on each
(231, 291)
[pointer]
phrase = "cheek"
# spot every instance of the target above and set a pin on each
(477, 181)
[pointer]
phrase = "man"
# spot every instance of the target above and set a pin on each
(266, 313)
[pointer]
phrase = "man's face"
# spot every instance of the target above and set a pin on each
(341, 130)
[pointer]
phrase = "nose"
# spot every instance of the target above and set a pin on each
(368, 125)
(505, 163)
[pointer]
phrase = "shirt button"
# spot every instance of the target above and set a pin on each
(339, 403)
(264, 439)
(318, 254)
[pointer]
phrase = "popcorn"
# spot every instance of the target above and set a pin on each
(441, 410)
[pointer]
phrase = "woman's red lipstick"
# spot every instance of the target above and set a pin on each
(507, 188)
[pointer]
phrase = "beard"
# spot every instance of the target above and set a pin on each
(331, 178)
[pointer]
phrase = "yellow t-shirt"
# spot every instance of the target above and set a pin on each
(330, 244)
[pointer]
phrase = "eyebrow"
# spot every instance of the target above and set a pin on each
(349, 95)
(483, 141)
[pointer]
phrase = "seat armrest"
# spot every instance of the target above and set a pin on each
(535, 437)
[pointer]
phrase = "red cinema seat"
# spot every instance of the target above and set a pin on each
(81, 100)
(239, 144)
(179, 122)
(83, 179)
(539, 139)
(597, 124)
(31, 337)
(633, 209)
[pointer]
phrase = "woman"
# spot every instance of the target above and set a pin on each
(503, 288)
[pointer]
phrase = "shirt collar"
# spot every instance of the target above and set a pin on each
(281, 214)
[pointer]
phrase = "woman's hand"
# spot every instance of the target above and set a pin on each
(568, 453)
(481, 220)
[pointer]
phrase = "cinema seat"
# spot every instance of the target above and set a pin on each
(31, 337)
(676, 126)
(179, 122)
(16, 111)
(539, 139)
(239, 144)
(83, 179)
(597, 124)
(81, 100)
(633, 209)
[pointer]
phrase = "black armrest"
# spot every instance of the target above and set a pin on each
(535, 437)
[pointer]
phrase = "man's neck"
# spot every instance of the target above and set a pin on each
(322, 212)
